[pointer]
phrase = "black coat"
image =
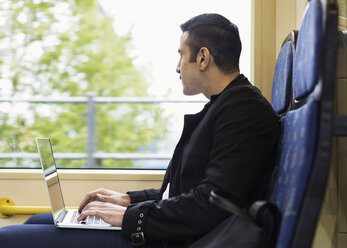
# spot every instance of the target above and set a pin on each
(228, 146)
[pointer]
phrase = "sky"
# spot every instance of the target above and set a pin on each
(154, 25)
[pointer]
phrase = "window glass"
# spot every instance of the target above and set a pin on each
(98, 78)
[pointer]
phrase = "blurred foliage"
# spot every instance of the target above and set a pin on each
(65, 48)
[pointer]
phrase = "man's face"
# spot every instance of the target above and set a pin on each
(189, 71)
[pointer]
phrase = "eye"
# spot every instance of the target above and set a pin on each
(180, 53)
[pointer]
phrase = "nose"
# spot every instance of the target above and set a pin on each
(178, 70)
(178, 67)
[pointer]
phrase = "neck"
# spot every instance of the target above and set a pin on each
(218, 82)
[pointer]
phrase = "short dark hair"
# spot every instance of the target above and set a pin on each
(219, 35)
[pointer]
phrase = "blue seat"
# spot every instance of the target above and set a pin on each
(295, 161)
(281, 97)
(307, 65)
(300, 178)
(298, 183)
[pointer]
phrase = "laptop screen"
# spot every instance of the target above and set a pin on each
(51, 177)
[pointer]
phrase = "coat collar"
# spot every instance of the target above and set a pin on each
(238, 79)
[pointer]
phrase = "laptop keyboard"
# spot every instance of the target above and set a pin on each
(88, 220)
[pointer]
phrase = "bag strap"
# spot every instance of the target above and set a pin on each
(254, 213)
(228, 204)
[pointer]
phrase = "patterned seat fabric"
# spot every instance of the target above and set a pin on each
(282, 81)
(307, 60)
(293, 168)
(298, 183)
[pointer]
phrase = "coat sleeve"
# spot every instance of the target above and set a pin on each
(149, 194)
(168, 219)
(144, 195)
(244, 138)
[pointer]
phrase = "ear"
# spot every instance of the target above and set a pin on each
(204, 58)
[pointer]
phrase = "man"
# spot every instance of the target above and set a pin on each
(228, 146)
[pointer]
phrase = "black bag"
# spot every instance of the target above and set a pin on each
(235, 232)
(256, 227)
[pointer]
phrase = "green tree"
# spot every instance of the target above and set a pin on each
(69, 48)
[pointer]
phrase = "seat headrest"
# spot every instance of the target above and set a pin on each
(307, 61)
(282, 81)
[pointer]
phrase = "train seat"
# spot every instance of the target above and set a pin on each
(305, 100)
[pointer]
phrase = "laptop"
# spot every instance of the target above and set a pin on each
(63, 217)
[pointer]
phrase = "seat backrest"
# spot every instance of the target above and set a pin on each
(304, 151)
(307, 64)
(295, 160)
(281, 97)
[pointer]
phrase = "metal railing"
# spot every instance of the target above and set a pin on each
(90, 100)
(8, 208)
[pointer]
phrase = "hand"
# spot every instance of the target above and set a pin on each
(108, 212)
(105, 195)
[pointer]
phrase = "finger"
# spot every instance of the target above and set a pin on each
(88, 198)
(94, 205)
(105, 198)
(91, 196)
(110, 213)
(94, 212)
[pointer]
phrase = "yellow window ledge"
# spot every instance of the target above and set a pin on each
(82, 174)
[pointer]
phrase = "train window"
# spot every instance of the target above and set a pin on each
(98, 78)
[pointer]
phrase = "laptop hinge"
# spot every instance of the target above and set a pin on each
(61, 216)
